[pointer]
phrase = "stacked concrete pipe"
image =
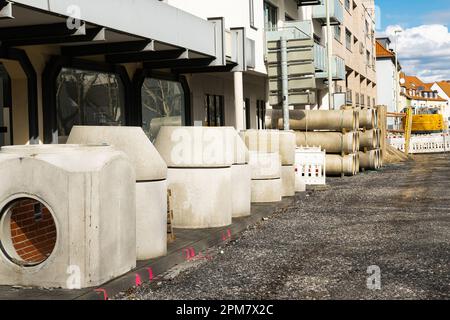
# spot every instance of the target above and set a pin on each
(332, 142)
(151, 183)
(335, 131)
(199, 161)
(370, 140)
(87, 194)
(265, 162)
(337, 165)
(311, 120)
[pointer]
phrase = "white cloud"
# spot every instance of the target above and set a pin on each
(424, 50)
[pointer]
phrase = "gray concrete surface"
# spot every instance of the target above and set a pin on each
(321, 246)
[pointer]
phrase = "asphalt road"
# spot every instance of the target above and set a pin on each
(396, 220)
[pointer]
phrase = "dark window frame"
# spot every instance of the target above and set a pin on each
(138, 82)
(220, 107)
(49, 78)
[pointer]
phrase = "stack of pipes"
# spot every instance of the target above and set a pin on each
(370, 154)
(335, 131)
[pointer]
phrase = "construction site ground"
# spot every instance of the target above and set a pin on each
(330, 244)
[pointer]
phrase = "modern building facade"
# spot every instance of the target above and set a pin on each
(353, 47)
(174, 62)
(388, 78)
(106, 62)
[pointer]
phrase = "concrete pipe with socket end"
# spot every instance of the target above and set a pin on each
(199, 174)
(308, 120)
(367, 119)
(266, 177)
(332, 142)
(151, 182)
(368, 140)
(240, 177)
(369, 160)
(337, 165)
(87, 194)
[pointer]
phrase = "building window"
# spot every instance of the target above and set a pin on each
(88, 98)
(163, 104)
(247, 112)
(214, 110)
(349, 98)
(337, 33)
(368, 58)
(252, 13)
(348, 39)
(261, 113)
(270, 16)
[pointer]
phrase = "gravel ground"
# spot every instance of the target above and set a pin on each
(322, 246)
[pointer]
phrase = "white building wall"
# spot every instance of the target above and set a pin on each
(386, 85)
(236, 14)
(443, 95)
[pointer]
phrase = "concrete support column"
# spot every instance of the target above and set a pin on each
(239, 100)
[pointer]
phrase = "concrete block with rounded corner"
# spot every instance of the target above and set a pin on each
(288, 144)
(265, 165)
(201, 198)
(148, 163)
(288, 181)
(241, 190)
(89, 193)
(151, 187)
(196, 147)
(266, 191)
(240, 150)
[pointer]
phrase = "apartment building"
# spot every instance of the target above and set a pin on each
(443, 90)
(353, 45)
(421, 96)
(244, 92)
(112, 62)
(388, 76)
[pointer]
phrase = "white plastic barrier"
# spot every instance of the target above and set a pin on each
(435, 143)
(309, 167)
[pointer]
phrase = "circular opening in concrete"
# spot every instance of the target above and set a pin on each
(28, 232)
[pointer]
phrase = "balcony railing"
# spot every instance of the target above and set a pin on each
(336, 12)
(320, 57)
(337, 70)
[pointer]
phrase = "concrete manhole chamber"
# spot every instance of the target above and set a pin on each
(27, 232)
(66, 207)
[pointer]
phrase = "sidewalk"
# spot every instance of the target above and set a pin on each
(188, 244)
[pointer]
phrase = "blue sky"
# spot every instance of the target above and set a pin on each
(424, 44)
(412, 13)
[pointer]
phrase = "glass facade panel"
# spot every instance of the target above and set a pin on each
(88, 98)
(163, 104)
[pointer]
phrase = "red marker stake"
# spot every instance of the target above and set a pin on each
(138, 280)
(105, 294)
(150, 273)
